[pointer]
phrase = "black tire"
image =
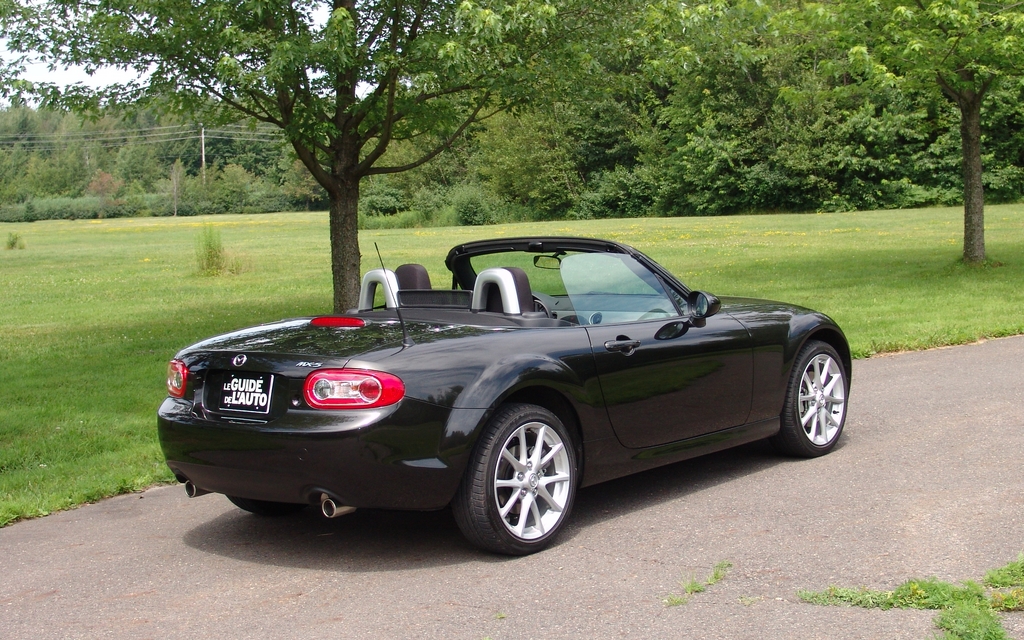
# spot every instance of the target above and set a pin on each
(265, 508)
(548, 495)
(824, 426)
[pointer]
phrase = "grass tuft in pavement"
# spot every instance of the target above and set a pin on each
(693, 586)
(967, 612)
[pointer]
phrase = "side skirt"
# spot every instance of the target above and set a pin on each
(607, 459)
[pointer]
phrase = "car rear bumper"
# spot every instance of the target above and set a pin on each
(368, 459)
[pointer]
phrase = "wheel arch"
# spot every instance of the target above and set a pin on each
(529, 379)
(555, 402)
(835, 339)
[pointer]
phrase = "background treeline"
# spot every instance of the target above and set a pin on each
(760, 122)
(58, 165)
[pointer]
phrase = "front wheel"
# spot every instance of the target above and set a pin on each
(520, 484)
(815, 408)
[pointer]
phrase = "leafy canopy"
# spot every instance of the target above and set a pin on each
(331, 74)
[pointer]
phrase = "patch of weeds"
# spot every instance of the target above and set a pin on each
(967, 612)
(694, 586)
(500, 616)
(965, 622)
(14, 241)
(834, 596)
(746, 601)
(1010, 601)
(1012, 575)
(913, 594)
(236, 263)
(673, 600)
(211, 257)
(719, 572)
(209, 251)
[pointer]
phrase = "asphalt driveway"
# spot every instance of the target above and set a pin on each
(927, 481)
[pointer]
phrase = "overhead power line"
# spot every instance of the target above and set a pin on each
(150, 135)
(87, 134)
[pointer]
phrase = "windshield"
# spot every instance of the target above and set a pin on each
(610, 287)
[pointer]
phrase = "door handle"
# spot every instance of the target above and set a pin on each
(622, 344)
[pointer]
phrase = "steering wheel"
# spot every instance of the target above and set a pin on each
(538, 305)
(654, 313)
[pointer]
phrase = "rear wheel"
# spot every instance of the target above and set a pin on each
(815, 408)
(520, 484)
(265, 508)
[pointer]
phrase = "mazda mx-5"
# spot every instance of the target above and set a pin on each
(547, 365)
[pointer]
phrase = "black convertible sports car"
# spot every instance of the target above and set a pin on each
(550, 364)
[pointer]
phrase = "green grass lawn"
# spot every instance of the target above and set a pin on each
(92, 310)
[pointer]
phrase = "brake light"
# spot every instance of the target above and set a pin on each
(352, 389)
(337, 321)
(177, 378)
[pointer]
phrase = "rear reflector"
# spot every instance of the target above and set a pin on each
(177, 378)
(352, 389)
(337, 321)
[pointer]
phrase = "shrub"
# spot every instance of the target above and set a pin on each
(431, 201)
(14, 241)
(471, 205)
(382, 201)
(619, 193)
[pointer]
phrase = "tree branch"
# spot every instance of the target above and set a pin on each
(371, 171)
(308, 158)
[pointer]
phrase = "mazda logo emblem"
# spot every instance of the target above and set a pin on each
(239, 360)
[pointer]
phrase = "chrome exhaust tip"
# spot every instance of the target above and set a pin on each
(192, 491)
(332, 509)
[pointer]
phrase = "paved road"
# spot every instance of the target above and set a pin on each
(926, 481)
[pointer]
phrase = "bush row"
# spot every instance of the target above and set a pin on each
(91, 207)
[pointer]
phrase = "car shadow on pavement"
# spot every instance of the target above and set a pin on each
(376, 540)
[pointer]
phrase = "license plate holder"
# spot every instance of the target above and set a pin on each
(246, 392)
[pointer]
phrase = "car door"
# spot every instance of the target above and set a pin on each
(660, 384)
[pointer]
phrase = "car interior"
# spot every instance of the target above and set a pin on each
(573, 288)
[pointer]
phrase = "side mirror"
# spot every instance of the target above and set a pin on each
(703, 306)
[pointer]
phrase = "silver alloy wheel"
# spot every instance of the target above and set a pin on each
(822, 399)
(532, 480)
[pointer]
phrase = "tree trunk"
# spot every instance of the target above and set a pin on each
(974, 192)
(344, 217)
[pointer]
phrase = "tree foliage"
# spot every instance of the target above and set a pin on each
(961, 47)
(343, 80)
(544, 110)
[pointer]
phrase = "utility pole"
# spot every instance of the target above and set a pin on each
(177, 175)
(202, 151)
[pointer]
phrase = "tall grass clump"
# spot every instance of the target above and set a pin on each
(210, 252)
(14, 241)
(212, 259)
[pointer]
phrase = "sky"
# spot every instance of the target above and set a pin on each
(103, 77)
(38, 72)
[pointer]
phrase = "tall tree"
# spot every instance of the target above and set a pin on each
(961, 47)
(342, 79)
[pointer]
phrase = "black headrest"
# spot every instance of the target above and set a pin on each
(412, 276)
(522, 288)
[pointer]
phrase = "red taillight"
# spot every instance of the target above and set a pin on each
(337, 321)
(352, 389)
(177, 378)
